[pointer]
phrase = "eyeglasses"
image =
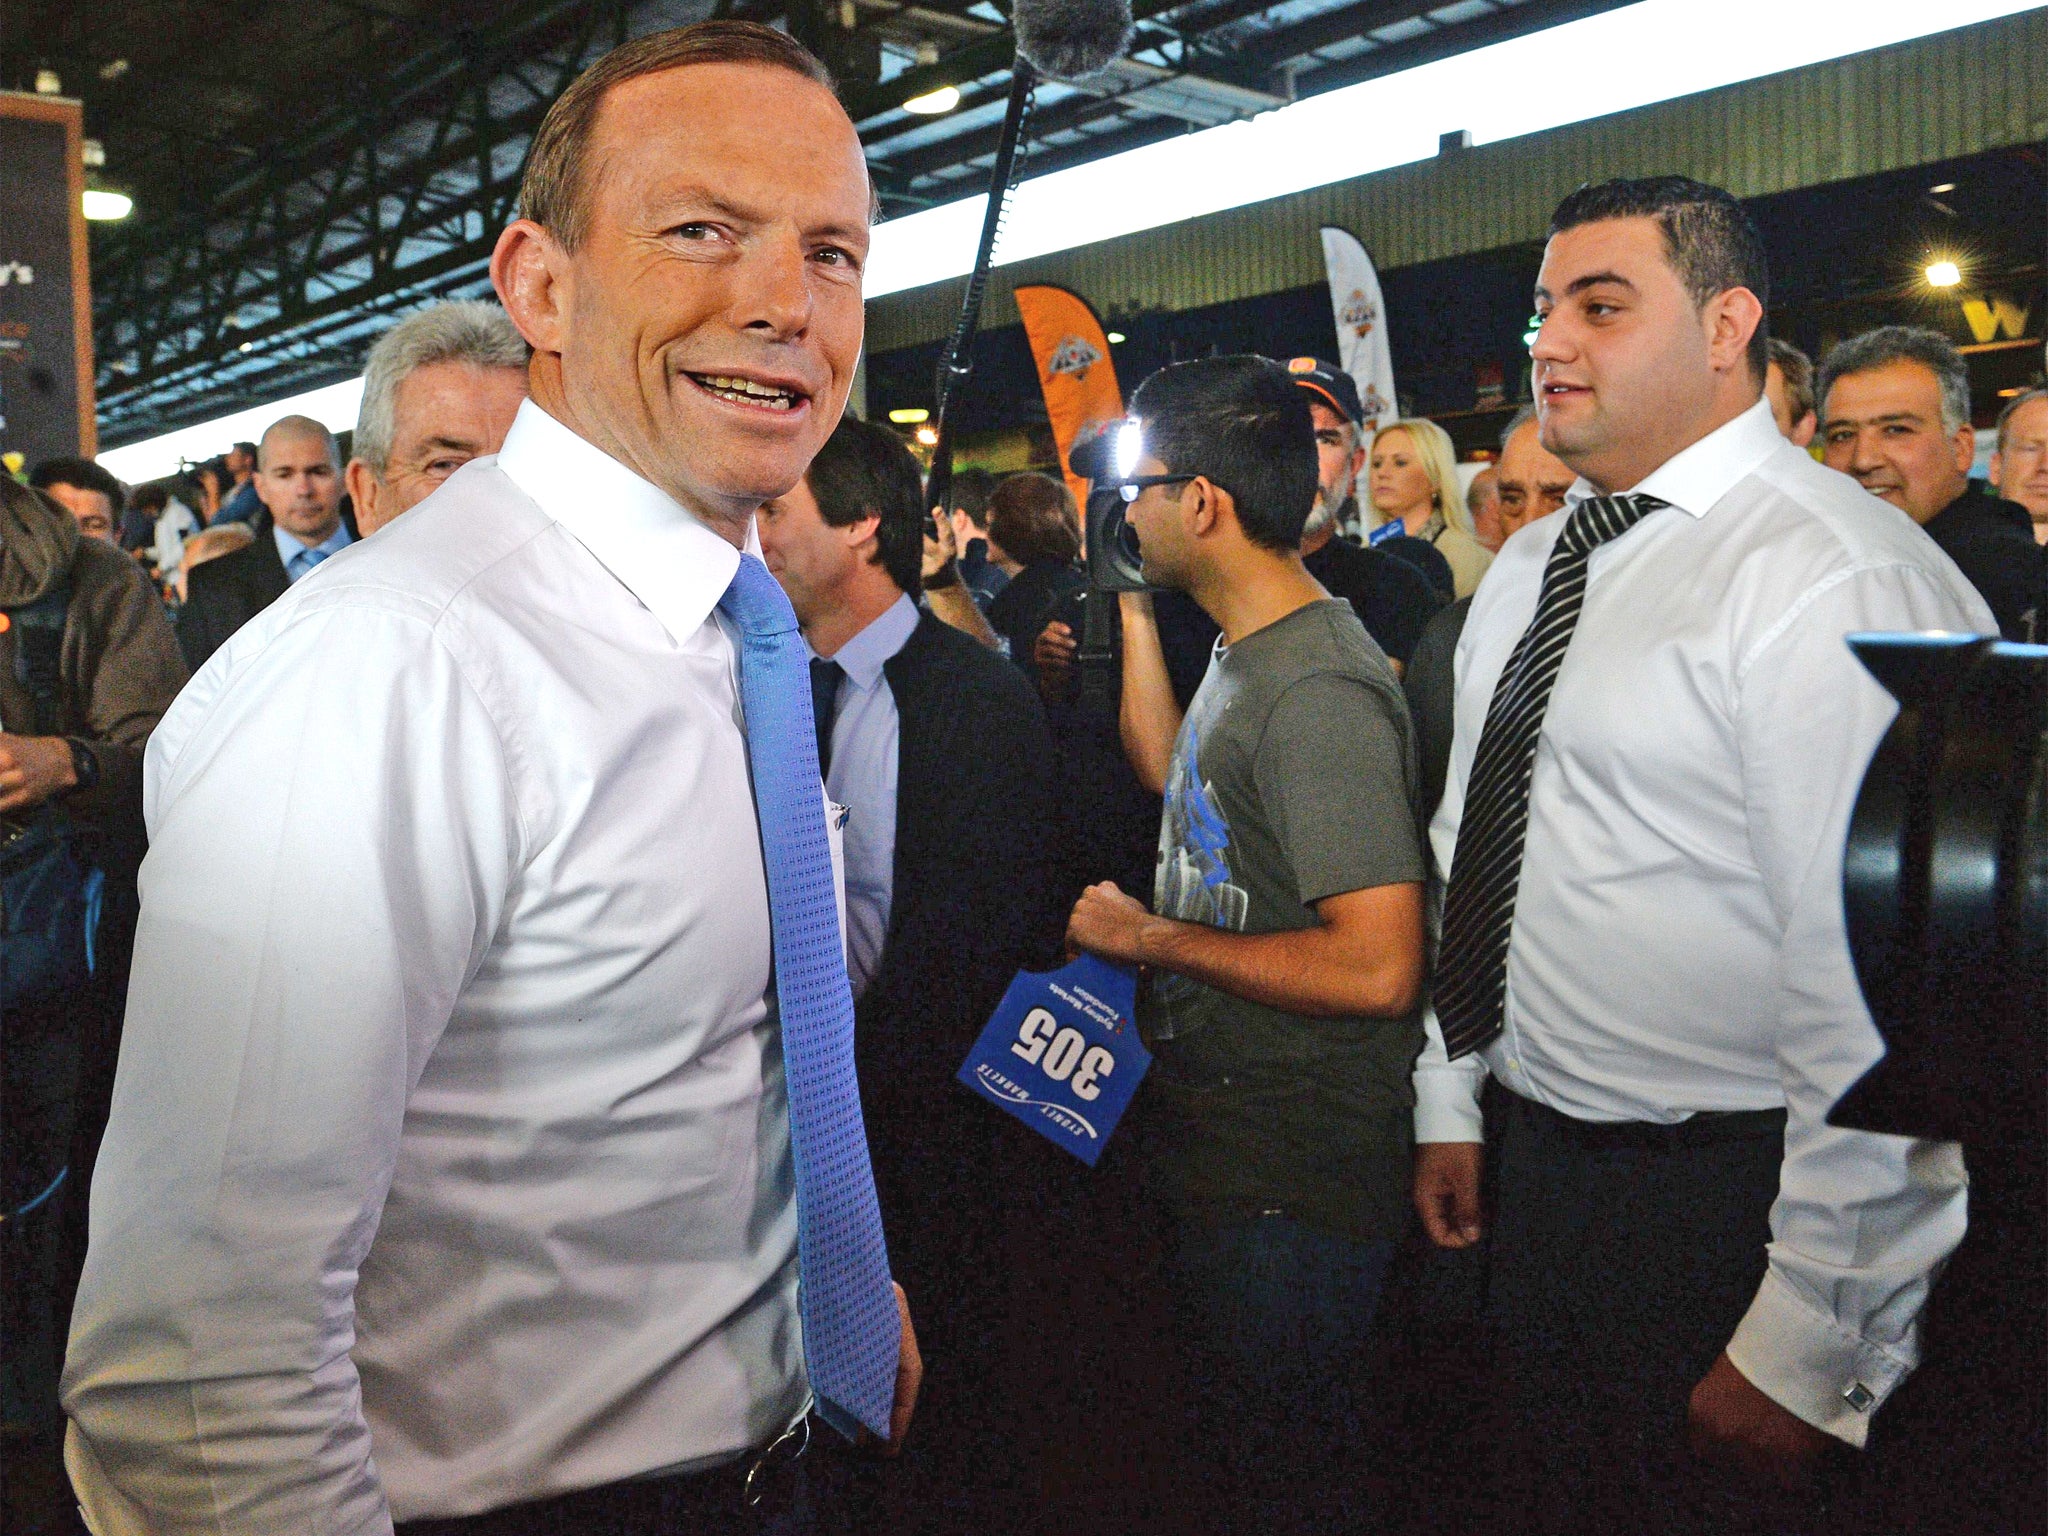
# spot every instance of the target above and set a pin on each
(1131, 488)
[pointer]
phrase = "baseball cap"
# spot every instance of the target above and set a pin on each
(1332, 383)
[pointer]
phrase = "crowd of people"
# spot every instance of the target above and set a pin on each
(564, 916)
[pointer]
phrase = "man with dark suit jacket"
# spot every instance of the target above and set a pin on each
(298, 477)
(938, 750)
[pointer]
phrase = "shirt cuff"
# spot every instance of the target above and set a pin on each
(1809, 1365)
(1447, 1092)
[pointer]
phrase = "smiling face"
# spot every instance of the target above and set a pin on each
(706, 329)
(1629, 370)
(1400, 485)
(1883, 425)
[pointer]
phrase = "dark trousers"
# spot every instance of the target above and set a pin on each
(712, 1503)
(1276, 1316)
(1623, 1259)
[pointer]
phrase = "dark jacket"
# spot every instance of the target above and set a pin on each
(1021, 610)
(974, 902)
(224, 594)
(118, 665)
(1992, 541)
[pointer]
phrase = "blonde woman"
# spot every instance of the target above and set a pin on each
(1414, 480)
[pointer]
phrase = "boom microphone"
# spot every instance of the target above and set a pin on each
(1068, 39)
(1065, 39)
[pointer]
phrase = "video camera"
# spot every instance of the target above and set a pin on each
(1103, 455)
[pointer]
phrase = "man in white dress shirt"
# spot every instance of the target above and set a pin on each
(450, 1162)
(1682, 1247)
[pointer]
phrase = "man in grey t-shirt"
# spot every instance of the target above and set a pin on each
(1286, 935)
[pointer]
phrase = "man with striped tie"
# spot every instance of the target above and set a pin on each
(1698, 1287)
(487, 1154)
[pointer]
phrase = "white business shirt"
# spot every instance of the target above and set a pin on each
(866, 746)
(449, 1162)
(1678, 942)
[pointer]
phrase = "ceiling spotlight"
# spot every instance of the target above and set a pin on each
(103, 207)
(113, 69)
(909, 415)
(47, 83)
(247, 346)
(934, 103)
(93, 153)
(929, 436)
(1946, 186)
(1116, 338)
(1943, 274)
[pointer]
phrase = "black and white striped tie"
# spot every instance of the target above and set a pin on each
(1486, 868)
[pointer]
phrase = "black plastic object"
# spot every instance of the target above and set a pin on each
(1945, 892)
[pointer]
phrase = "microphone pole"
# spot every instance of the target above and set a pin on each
(956, 362)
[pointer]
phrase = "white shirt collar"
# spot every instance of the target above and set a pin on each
(862, 657)
(657, 549)
(1694, 478)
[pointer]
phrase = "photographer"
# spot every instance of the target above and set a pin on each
(1287, 944)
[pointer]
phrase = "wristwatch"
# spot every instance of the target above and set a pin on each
(85, 765)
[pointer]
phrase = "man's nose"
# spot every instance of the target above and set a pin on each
(774, 289)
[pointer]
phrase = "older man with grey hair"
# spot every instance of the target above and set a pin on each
(441, 388)
(2019, 468)
(1895, 414)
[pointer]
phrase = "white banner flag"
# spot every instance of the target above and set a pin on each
(1362, 348)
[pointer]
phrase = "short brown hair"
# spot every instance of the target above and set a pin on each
(1031, 517)
(1797, 370)
(552, 190)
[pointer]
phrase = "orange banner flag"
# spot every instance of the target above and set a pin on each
(1074, 368)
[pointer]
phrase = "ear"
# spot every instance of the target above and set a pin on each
(363, 490)
(862, 529)
(1966, 450)
(1730, 319)
(531, 274)
(1996, 471)
(1203, 505)
(1803, 430)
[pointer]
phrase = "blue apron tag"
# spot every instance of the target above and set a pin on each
(1062, 1053)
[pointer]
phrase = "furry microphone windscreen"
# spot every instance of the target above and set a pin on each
(1068, 39)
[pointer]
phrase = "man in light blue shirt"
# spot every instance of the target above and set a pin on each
(938, 750)
(858, 749)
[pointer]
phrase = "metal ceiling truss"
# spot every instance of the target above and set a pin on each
(279, 277)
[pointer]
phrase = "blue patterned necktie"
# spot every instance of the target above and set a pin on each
(852, 1330)
(1486, 865)
(304, 561)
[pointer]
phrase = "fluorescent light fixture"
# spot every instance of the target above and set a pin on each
(928, 435)
(102, 206)
(909, 415)
(934, 103)
(1115, 338)
(1946, 186)
(1563, 74)
(1943, 274)
(333, 406)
